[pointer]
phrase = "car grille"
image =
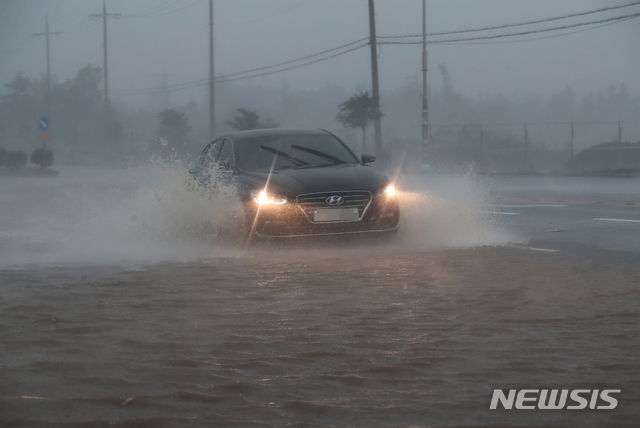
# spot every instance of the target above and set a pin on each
(359, 199)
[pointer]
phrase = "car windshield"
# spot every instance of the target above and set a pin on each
(292, 151)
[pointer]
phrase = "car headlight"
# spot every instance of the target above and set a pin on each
(262, 197)
(387, 191)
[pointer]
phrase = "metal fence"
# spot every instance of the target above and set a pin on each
(535, 147)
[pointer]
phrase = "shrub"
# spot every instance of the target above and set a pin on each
(42, 157)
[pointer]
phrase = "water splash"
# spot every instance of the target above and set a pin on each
(153, 213)
(159, 213)
(447, 211)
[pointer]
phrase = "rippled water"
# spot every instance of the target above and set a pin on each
(106, 320)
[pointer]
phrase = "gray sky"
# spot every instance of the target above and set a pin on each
(173, 37)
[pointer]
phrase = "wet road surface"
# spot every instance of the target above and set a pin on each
(104, 328)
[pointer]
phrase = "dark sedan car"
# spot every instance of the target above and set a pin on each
(301, 182)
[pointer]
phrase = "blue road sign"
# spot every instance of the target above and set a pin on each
(43, 123)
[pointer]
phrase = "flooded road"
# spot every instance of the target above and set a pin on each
(124, 303)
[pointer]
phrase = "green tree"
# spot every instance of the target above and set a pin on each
(358, 112)
(249, 119)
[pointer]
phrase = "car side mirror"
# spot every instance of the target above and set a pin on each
(367, 159)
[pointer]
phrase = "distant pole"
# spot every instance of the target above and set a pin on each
(165, 92)
(619, 144)
(47, 34)
(619, 132)
(104, 15)
(212, 125)
(482, 169)
(425, 104)
(526, 145)
(48, 69)
(571, 141)
(377, 126)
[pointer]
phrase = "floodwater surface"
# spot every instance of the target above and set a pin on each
(124, 302)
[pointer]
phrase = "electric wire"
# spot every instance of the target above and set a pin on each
(298, 59)
(521, 33)
(222, 79)
(226, 79)
(249, 74)
(497, 27)
(543, 37)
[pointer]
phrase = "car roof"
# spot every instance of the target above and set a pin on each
(271, 132)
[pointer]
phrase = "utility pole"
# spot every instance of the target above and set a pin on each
(425, 104)
(619, 132)
(482, 163)
(104, 15)
(526, 146)
(165, 92)
(377, 126)
(47, 34)
(571, 141)
(212, 117)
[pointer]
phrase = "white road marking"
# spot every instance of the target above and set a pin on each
(535, 205)
(618, 219)
(500, 212)
(524, 247)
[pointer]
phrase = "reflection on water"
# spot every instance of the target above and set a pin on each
(284, 336)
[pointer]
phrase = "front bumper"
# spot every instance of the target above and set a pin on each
(289, 220)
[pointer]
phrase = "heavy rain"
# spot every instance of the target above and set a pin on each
(135, 292)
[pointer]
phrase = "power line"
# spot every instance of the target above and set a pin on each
(240, 75)
(222, 79)
(225, 79)
(232, 77)
(497, 27)
(298, 59)
(522, 33)
(545, 37)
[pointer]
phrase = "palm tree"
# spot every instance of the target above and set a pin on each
(358, 112)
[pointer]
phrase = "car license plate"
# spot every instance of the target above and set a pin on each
(336, 214)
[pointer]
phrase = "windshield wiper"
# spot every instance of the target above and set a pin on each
(284, 155)
(317, 153)
(321, 165)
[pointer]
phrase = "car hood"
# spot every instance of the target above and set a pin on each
(293, 182)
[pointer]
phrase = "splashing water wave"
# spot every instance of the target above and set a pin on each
(158, 213)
